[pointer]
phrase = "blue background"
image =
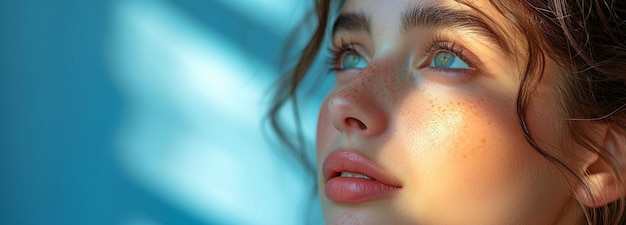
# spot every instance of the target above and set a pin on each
(66, 105)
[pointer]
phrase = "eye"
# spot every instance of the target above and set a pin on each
(448, 60)
(352, 60)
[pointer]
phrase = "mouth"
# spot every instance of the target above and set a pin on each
(351, 178)
(355, 175)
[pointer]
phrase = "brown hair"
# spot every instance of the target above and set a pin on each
(586, 38)
(588, 41)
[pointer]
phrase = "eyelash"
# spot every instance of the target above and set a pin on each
(438, 44)
(337, 52)
(442, 43)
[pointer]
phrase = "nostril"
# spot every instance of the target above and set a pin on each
(353, 122)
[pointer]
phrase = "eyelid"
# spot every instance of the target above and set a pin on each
(445, 45)
(449, 44)
(339, 50)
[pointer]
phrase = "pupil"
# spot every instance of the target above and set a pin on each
(351, 60)
(444, 59)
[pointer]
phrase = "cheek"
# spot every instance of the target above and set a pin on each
(469, 156)
(482, 150)
(451, 131)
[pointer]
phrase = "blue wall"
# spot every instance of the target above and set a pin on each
(72, 86)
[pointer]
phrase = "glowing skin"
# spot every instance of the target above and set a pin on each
(450, 137)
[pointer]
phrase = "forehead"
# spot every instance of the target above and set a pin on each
(382, 17)
(390, 8)
(380, 12)
(388, 12)
(473, 16)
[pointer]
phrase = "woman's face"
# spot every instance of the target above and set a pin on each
(421, 127)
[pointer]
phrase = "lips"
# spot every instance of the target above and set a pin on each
(351, 178)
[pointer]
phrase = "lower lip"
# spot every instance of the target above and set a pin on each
(352, 190)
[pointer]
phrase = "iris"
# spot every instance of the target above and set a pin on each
(353, 60)
(448, 60)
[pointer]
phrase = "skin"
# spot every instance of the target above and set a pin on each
(452, 139)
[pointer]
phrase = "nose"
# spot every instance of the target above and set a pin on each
(360, 107)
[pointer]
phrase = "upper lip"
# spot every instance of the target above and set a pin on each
(349, 161)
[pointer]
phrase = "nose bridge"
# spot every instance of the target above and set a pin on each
(363, 105)
(383, 80)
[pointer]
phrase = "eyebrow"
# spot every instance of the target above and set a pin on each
(428, 16)
(352, 21)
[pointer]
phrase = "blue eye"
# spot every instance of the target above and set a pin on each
(352, 60)
(448, 60)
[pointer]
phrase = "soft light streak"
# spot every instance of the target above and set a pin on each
(192, 132)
